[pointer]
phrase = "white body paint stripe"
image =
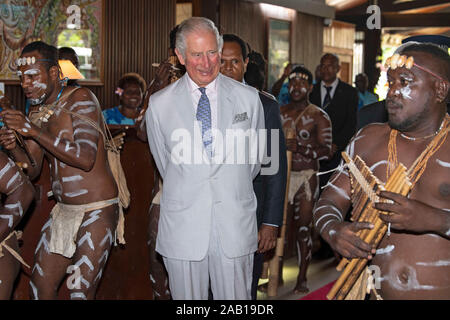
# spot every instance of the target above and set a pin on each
(328, 215)
(88, 131)
(443, 163)
(84, 259)
(388, 249)
(378, 164)
(35, 293)
(87, 110)
(8, 217)
(39, 269)
(58, 138)
(17, 206)
(108, 235)
(339, 190)
(5, 169)
(89, 142)
(82, 103)
(72, 178)
(78, 295)
(440, 263)
(87, 237)
(12, 180)
(76, 193)
(93, 216)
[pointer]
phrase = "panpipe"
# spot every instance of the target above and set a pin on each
(364, 194)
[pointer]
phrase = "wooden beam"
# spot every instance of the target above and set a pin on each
(390, 19)
(393, 6)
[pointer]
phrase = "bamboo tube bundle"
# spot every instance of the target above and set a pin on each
(364, 188)
(274, 263)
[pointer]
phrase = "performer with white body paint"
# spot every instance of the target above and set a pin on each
(62, 127)
(413, 258)
(19, 194)
(312, 143)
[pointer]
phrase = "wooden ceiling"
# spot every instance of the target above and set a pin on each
(419, 16)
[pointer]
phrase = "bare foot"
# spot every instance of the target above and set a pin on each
(301, 288)
(263, 287)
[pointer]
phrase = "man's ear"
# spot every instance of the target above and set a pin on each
(245, 64)
(180, 56)
(442, 90)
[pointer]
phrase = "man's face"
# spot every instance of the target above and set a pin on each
(132, 95)
(232, 61)
(35, 79)
(299, 89)
(202, 58)
(329, 68)
(361, 83)
(411, 93)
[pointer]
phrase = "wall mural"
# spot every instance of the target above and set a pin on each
(62, 23)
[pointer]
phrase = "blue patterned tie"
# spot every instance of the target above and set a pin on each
(204, 115)
(327, 99)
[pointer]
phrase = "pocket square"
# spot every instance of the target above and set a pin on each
(240, 117)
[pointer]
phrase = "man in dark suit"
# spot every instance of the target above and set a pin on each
(374, 112)
(340, 101)
(270, 184)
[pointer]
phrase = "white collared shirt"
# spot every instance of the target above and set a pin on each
(323, 90)
(211, 92)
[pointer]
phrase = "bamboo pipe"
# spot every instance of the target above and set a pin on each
(274, 263)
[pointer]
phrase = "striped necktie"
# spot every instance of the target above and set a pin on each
(204, 116)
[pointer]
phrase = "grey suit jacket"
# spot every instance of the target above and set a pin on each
(193, 192)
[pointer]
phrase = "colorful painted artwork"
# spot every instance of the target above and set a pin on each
(62, 23)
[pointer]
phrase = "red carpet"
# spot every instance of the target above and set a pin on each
(319, 294)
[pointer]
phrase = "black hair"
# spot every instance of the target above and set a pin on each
(434, 50)
(132, 78)
(234, 38)
(173, 37)
(48, 52)
(301, 69)
(70, 54)
(256, 69)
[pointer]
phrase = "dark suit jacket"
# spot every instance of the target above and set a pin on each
(270, 189)
(374, 112)
(342, 112)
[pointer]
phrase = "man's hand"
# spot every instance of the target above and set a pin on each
(287, 70)
(291, 145)
(7, 139)
(267, 238)
(342, 238)
(408, 214)
(16, 120)
(162, 76)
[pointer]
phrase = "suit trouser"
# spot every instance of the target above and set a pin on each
(231, 278)
(257, 271)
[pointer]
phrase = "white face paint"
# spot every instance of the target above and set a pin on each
(39, 85)
(19, 73)
(32, 72)
(405, 92)
(27, 125)
(24, 130)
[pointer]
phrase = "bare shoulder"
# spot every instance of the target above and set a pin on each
(82, 94)
(315, 111)
(369, 139)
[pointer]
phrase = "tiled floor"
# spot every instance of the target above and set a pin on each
(320, 273)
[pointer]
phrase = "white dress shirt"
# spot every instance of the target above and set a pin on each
(323, 90)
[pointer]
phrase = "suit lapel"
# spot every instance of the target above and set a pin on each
(188, 116)
(226, 105)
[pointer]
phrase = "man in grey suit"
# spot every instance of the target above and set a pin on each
(207, 229)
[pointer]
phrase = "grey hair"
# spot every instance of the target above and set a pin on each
(195, 24)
